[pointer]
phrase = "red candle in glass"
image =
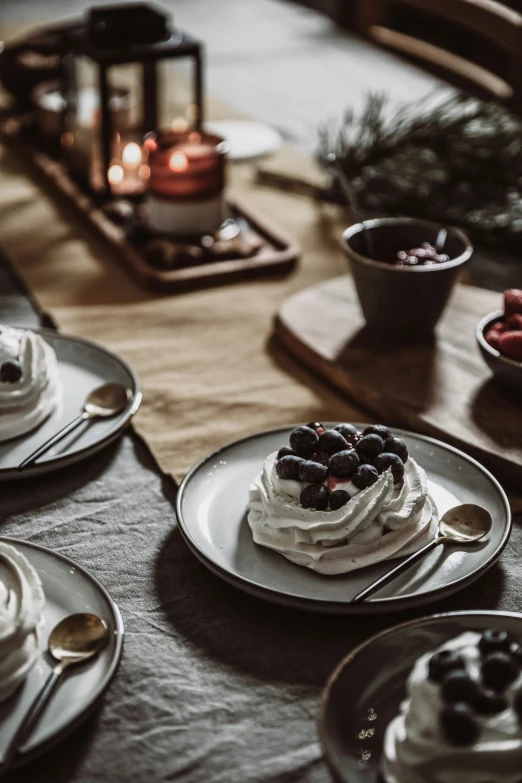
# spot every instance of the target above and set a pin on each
(187, 179)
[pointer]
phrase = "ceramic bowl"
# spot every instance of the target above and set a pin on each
(506, 370)
(403, 300)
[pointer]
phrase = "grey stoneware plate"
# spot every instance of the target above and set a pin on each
(82, 367)
(365, 691)
(68, 589)
(211, 509)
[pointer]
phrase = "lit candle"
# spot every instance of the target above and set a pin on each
(186, 184)
(128, 172)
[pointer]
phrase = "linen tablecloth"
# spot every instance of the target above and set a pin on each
(214, 686)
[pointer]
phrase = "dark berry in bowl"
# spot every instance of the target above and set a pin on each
(312, 471)
(10, 371)
(377, 429)
(443, 662)
(350, 433)
(459, 724)
(288, 467)
(304, 440)
(457, 686)
(321, 457)
(286, 451)
(315, 496)
(332, 441)
(344, 463)
(489, 702)
(499, 670)
(387, 460)
(394, 445)
(370, 446)
(494, 641)
(365, 476)
(339, 498)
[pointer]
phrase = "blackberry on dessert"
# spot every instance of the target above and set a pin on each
(335, 499)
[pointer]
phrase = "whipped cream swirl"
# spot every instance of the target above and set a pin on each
(21, 606)
(380, 522)
(415, 750)
(28, 402)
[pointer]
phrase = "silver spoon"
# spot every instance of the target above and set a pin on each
(102, 403)
(74, 640)
(441, 239)
(352, 200)
(461, 525)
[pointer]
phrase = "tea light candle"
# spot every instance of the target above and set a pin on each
(128, 173)
(186, 184)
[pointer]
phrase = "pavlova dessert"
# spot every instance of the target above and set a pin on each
(29, 386)
(21, 619)
(462, 719)
(338, 499)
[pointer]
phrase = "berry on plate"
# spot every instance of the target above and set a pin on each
(459, 724)
(365, 476)
(387, 460)
(288, 467)
(510, 344)
(315, 496)
(349, 433)
(491, 337)
(344, 463)
(394, 445)
(512, 301)
(339, 498)
(377, 429)
(370, 446)
(499, 670)
(332, 441)
(312, 471)
(303, 440)
(514, 323)
(285, 452)
(443, 662)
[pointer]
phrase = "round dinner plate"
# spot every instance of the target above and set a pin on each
(68, 589)
(211, 508)
(246, 139)
(365, 691)
(82, 366)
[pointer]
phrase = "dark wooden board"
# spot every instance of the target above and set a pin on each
(442, 389)
(277, 254)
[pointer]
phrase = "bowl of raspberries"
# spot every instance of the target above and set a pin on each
(499, 336)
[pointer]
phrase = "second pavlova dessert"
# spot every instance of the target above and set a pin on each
(338, 499)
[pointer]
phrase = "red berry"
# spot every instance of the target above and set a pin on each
(510, 345)
(498, 326)
(512, 301)
(491, 338)
(514, 322)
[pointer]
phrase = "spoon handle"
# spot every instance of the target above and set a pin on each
(49, 443)
(30, 720)
(400, 569)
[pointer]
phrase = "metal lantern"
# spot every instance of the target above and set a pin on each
(136, 35)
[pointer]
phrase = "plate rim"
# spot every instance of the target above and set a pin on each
(92, 703)
(329, 756)
(64, 460)
(378, 606)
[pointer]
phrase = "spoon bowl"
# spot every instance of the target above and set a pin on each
(78, 637)
(465, 524)
(107, 400)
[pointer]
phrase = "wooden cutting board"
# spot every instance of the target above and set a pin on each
(442, 389)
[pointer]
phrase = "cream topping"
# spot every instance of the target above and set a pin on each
(416, 751)
(21, 606)
(28, 402)
(382, 521)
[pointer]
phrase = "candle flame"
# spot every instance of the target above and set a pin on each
(179, 125)
(178, 162)
(131, 155)
(151, 144)
(194, 137)
(115, 174)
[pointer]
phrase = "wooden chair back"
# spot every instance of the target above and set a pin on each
(489, 20)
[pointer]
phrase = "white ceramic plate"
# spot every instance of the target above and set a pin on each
(82, 367)
(68, 589)
(365, 692)
(246, 139)
(211, 508)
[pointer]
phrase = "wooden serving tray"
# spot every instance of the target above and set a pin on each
(441, 388)
(277, 253)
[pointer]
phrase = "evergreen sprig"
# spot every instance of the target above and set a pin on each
(457, 161)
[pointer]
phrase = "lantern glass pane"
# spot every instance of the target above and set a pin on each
(176, 107)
